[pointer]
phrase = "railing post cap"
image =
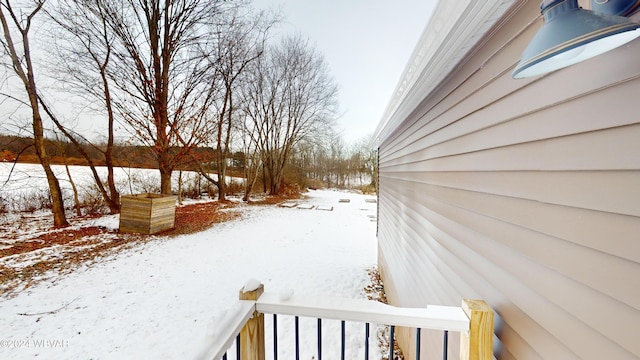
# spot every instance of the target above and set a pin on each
(251, 290)
(251, 285)
(477, 344)
(475, 305)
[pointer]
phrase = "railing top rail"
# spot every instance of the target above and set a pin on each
(230, 324)
(435, 317)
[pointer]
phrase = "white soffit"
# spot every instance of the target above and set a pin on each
(454, 29)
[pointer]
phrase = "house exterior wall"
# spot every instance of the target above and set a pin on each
(525, 193)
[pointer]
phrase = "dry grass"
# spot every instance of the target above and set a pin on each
(375, 291)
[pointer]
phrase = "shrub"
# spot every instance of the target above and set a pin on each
(315, 184)
(29, 201)
(234, 187)
(368, 189)
(3, 206)
(290, 190)
(140, 182)
(191, 187)
(91, 200)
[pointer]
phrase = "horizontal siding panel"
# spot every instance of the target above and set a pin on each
(473, 278)
(573, 296)
(420, 257)
(431, 124)
(409, 269)
(410, 264)
(562, 298)
(511, 222)
(482, 131)
(470, 134)
(613, 149)
(517, 345)
(547, 298)
(502, 99)
(502, 290)
(591, 195)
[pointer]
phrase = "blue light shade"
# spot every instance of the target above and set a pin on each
(571, 34)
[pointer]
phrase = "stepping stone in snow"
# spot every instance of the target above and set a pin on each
(288, 205)
(305, 206)
(370, 200)
(344, 200)
(324, 207)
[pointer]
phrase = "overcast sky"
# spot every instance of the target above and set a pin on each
(366, 43)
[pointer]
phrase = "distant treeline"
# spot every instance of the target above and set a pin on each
(61, 152)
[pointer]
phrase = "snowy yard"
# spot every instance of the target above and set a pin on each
(159, 299)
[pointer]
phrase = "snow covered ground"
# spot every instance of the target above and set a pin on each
(159, 300)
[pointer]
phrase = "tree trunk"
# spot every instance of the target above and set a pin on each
(276, 181)
(114, 204)
(28, 80)
(222, 165)
(180, 187)
(57, 202)
(264, 178)
(165, 180)
(249, 187)
(250, 174)
(222, 184)
(76, 200)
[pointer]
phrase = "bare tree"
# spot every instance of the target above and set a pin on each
(338, 162)
(237, 41)
(291, 97)
(85, 51)
(252, 160)
(367, 161)
(329, 160)
(18, 21)
(161, 71)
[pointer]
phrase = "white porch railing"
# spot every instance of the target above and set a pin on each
(244, 324)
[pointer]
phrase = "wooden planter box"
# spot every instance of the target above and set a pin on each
(147, 213)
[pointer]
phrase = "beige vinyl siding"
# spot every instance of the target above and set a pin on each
(525, 193)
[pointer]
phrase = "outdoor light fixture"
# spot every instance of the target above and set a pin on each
(571, 34)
